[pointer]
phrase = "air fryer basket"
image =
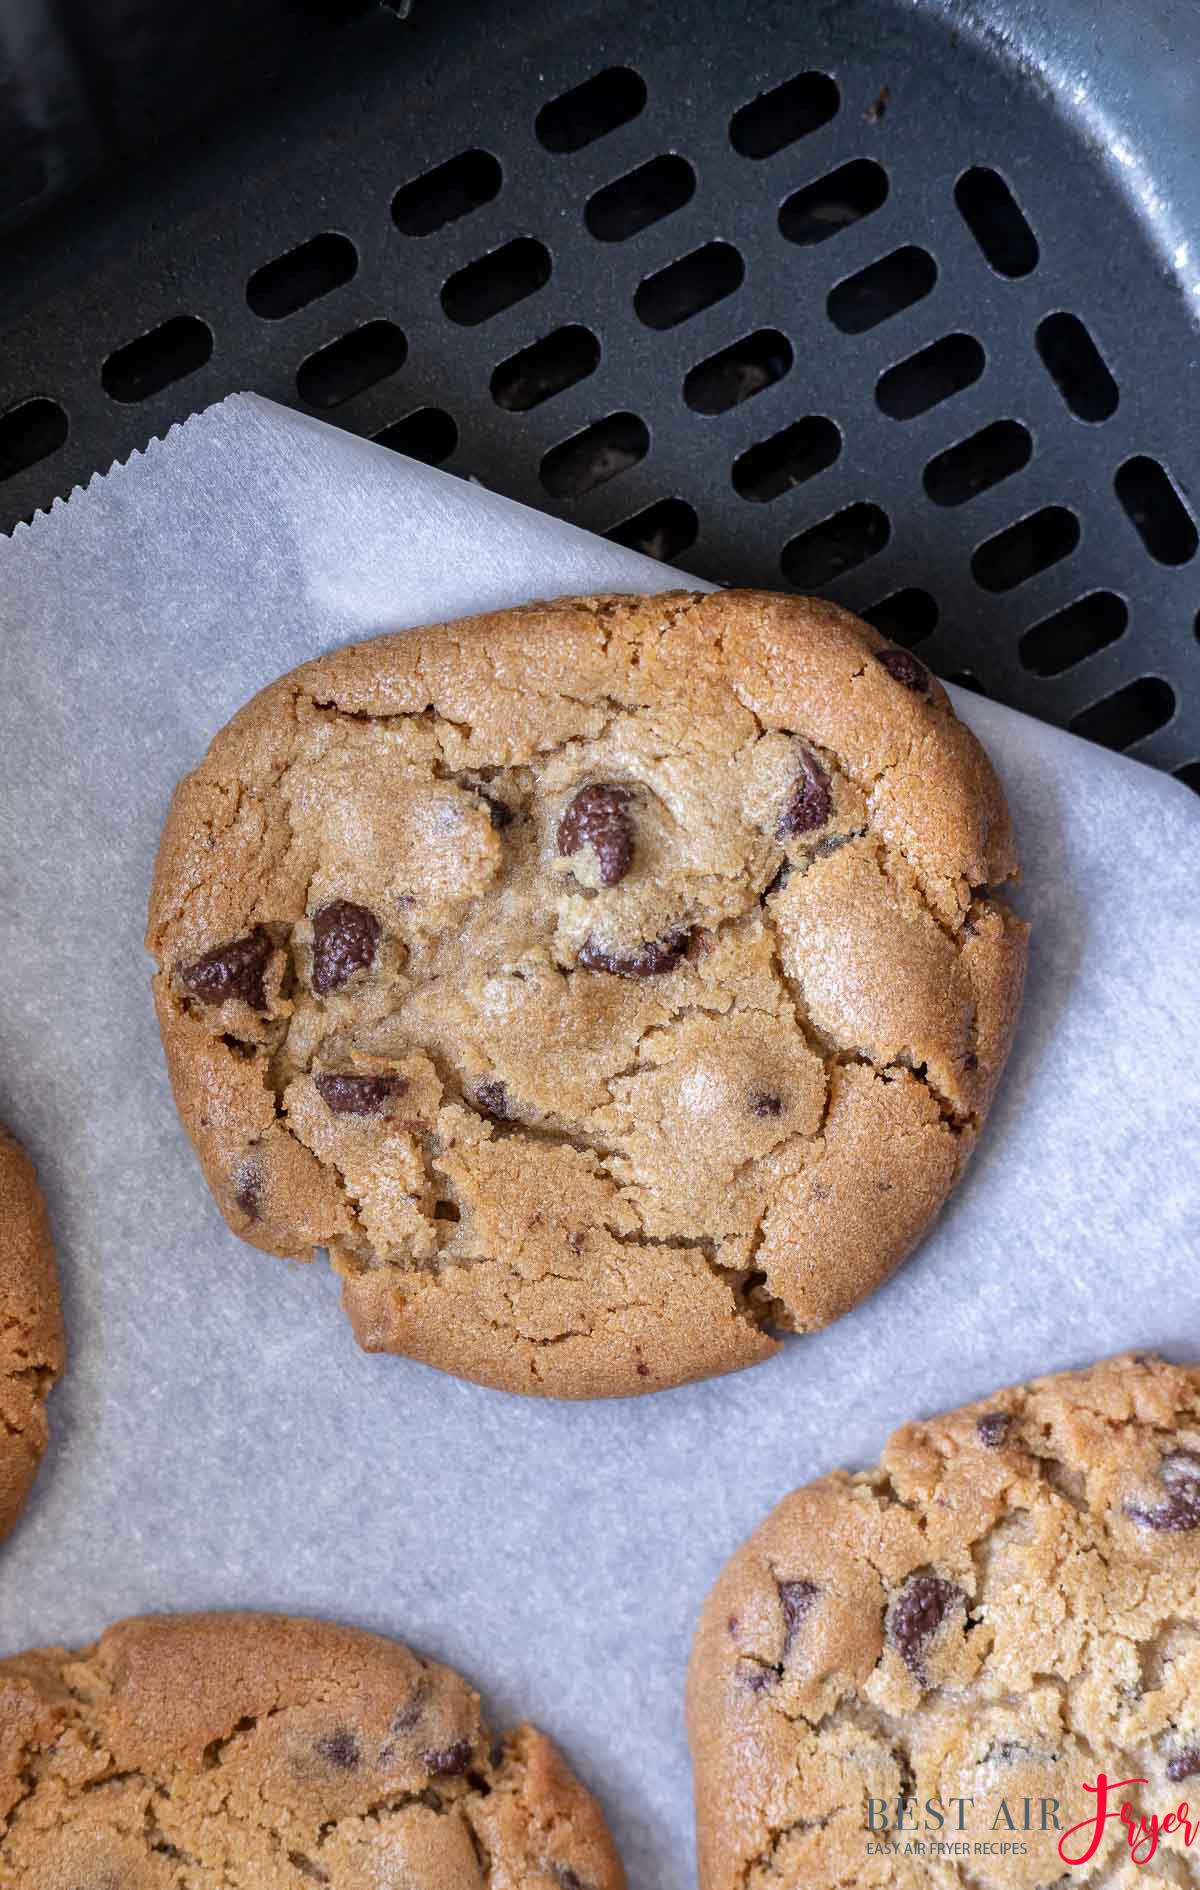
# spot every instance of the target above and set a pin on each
(892, 300)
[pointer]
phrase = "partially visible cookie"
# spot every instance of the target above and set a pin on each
(257, 1752)
(607, 984)
(32, 1350)
(1007, 1606)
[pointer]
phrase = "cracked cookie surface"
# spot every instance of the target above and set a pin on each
(257, 1752)
(31, 1331)
(605, 983)
(1007, 1606)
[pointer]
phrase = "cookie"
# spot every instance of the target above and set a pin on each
(32, 1350)
(1007, 1606)
(255, 1752)
(607, 984)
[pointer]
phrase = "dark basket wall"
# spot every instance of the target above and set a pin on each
(831, 297)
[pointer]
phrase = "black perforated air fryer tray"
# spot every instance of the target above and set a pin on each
(848, 297)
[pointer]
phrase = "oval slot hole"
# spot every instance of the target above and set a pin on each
(1074, 364)
(787, 459)
(906, 617)
(976, 464)
(428, 434)
(836, 545)
(931, 375)
(302, 275)
(158, 359)
(1155, 510)
(29, 433)
(640, 198)
(591, 110)
(1019, 552)
(1129, 714)
(546, 368)
(881, 290)
(663, 530)
(683, 288)
(778, 118)
(492, 283)
(591, 458)
(738, 372)
(833, 203)
(451, 190)
(1091, 623)
(351, 364)
(995, 220)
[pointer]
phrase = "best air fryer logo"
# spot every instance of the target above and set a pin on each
(1080, 1844)
(903, 1827)
(945, 1827)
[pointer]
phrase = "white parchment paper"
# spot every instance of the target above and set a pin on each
(219, 1441)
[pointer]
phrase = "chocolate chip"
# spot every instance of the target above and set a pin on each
(1181, 1510)
(567, 1878)
(915, 1616)
(993, 1428)
(659, 955)
(340, 1749)
(450, 1761)
(810, 803)
(761, 1102)
(1184, 1764)
(413, 1710)
(596, 818)
(248, 1189)
(233, 970)
(345, 939)
(492, 1098)
(346, 1095)
(797, 1600)
(755, 1677)
(903, 666)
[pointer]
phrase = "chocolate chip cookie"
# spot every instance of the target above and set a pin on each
(606, 984)
(31, 1331)
(254, 1752)
(1007, 1606)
